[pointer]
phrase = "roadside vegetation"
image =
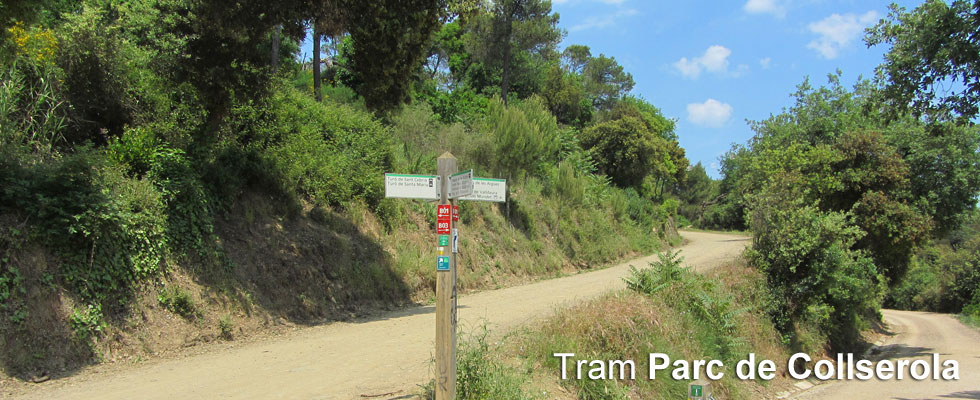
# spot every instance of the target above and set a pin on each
(667, 308)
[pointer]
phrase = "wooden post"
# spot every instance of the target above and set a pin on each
(446, 299)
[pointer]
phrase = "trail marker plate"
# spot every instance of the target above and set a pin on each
(424, 187)
(461, 184)
(443, 240)
(455, 240)
(443, 212)
(442, 263)
(488, 189)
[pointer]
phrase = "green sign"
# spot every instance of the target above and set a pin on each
(696, 390)
(444, 240)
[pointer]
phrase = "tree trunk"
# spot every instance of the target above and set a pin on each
(316, 64)
(276, 33)
(508, 37)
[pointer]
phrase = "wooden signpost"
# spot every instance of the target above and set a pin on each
(448, 186)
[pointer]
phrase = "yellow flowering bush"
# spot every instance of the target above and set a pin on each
(38, 44)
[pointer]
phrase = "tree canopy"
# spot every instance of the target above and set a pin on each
(933, 65)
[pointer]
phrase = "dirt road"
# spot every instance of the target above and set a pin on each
(346, 360)
(916, 336)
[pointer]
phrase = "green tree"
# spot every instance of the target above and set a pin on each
(390, 43)
(697, 192)
(526, 136)
(933, 65)
(626, 149)
(565, 94)
(842, 160)
(634, 142)
(575, 57)
(510, 35)
(605, 81)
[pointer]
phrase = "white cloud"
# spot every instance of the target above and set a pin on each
(688, 68)
(837, 31)
(765, 62)
(714, 59)
(603, 21)
(765, 7)
(712, 113)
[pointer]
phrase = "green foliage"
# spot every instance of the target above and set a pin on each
(934, 45)
(31, 112)
(226, 327)
(331, 153)
(12, 289)
(508, 40)
(566, 97)
(107, 228)
(886, 177)
(606, 82)
(625, 150)
(190, 222)
(944, 276)
(663, 273)
(100, 74)
(480, 376)
(811, 266)
(178, 301)
(526, 136)
(88, 323)
(396, 31)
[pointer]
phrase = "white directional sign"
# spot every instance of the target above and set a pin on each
(488, 189)
(412, 186)
(461, 184)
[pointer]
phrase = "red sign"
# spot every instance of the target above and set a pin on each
(455, 213)
(442, 219)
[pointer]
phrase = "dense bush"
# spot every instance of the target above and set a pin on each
(108, 228)
(813, 270)
(944, 276)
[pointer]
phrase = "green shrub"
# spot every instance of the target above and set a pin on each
(808, 259)
(713, 311)
(190, 222)
(331, 153)
(178, 301)
(226, 327)
(107, 228)
(88, 322)
(526, 137)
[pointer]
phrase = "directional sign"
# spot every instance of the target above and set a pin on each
(455, 213)
(443, 240)
(461, 184)
(488, 189)
(412, 186)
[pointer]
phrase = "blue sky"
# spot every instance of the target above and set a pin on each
(712, 65)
